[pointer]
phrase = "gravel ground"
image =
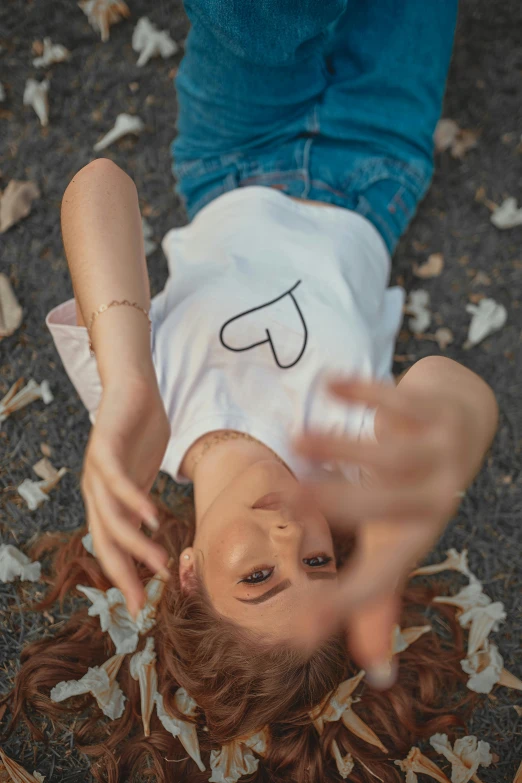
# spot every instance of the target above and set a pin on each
(101, 80)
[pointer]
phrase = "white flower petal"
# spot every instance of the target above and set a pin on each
(88, 543)
(143, 669)
(481, 620)
(465, 757)
(185, 731)
(125, 124)
(417, 762)
(15, 564)
(344, 763)
(149, 42)
(52, 53)
(418, 306)
(507, 215)
(455, 561)
(36, 96)
(102, 14)
(484, 667)
(231, 763)
(403, 638)
(111, 608)
(100, 681)
(469, 597)
(488, 317)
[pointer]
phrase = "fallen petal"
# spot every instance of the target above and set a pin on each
(102, 14)
(16, 772)
(257, 742)
(185, 703)
(88, 544)
(487, 317)
(10, 311)
(52, 53)
(16, 565)
(518, 774)
(445, 134)
(232, 762)
(148, 233)
(455, 561)
(469, 597)
(431, 268)
(100, 681)
(17, 398)
(111, 608)
(151, 42)
(37, 776)
(143, 669)
(417, 762)
(481, 620)
(507, 215)
(45, 469)
(358, 727)
(484, 668)
(402, 638)
(465, 140)
(185, 731)
(418, 306)
(36, 492)
(332, 707)
(36, 96)
(16, 201)
(344, 763)
(509, 680)
(465, 757)
(125, 124)
(444, 337)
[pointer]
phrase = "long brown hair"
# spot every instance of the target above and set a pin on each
(239, 684)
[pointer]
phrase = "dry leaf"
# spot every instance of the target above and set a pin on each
(101, 682)
(403, 638)
(518, 710)
(465, 757)
(125, 124)
(143, 669)
(507, 215)
(431, 268)
(10, 311)
(16, 772)
(344, 763)
(14, 564)
(418, 306)
(444, 337)
(151, 42)
(185, 731)
(448, 135)
(36, 96)
(481, 278)
(102, 14)
(51, 53)
(37, 492)
(518, 774)
(45, 449)
(455, 561)
(45, 469)
(15, 202)
(488, 317)
(417, 763)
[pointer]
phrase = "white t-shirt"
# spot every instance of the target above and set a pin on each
(266, 297)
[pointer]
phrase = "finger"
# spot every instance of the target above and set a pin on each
(118, 566)
(403, 408)
(127, 536)
(405, 455)
(370, 634)
(129, 494)
(346, 505)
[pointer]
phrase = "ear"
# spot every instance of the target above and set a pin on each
(187, 571)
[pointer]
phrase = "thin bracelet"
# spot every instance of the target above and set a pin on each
(105, 307)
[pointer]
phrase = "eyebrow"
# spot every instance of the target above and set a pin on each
(284, 585)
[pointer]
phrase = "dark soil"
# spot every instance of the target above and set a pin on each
(484, 93)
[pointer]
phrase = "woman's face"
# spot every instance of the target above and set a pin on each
(262, 549)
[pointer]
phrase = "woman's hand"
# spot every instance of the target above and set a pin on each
(427, 452)
(123, 456)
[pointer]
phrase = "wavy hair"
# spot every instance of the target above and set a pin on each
(239, 683)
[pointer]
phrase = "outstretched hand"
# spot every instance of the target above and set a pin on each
(411, 481)
(124, 454)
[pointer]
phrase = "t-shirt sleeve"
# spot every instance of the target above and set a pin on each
(72, 344)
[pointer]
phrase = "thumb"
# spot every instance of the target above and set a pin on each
(370, 635)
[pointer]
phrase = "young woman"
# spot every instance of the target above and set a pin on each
(304, 146)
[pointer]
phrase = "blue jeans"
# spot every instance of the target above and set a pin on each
(329, 100)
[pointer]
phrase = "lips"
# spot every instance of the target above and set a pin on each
(271, 502)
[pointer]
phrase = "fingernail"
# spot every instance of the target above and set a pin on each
(382, 675)
(153, 523)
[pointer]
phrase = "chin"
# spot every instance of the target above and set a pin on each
(271, 471)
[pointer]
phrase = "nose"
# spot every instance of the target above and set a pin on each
(288, 530)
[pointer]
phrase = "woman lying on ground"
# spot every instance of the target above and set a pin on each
(304, 146)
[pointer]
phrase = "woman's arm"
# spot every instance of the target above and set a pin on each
(103, 240)
(102, 235)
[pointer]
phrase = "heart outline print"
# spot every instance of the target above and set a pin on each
(268, 335)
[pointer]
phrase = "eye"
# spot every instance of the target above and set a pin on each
(317, 561)
(257, 576)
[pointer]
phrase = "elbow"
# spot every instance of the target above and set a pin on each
(99, 172)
